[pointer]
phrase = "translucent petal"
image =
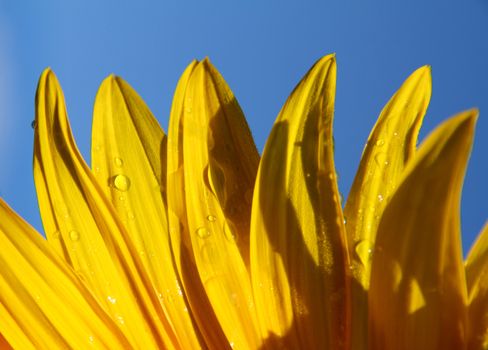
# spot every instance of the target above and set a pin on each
(216, 166)
(43, 304)
(84, 228)
(417, 294)
(298, 244)
(477, 283)
(127, 142)
(390, 146)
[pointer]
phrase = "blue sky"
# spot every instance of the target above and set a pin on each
(262, 49)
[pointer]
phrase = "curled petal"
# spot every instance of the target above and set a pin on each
(390, 146)
(127, 142)
(298, 244)
(417, 294)
(212, 161)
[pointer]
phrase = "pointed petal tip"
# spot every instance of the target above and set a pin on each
(47, 70)
(328, 59)
(469, 117)
(47, 76)
(108, 80)
(205, 62)
(422, 74)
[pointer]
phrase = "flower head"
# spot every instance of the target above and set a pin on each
(192, 240)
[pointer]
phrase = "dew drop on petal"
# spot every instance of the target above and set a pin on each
(380, 197)
(381, 159)
(211, 218)
(364, 251)
(120, 319)
(118, 162)
(215, 180)
(121, 182)
(112, 299)
(202, 232)
(380, 142)
(74, 235)
(33, 124)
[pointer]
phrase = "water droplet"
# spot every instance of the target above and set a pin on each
(121, 182)
(364, 251)
(118, 162)
(215, 179)
(91, 339)
(33, 124)
(131, 215)
(380, 197)
(56, 234)
(74, 235)
(97, 169)
(98, 148)
(345, 220)
(331, 175)
(211, 218)
(120, 319)
(230, 231)
(381, 159)
(380, 142)
(335, 198)
(122, 198)
(112, 299)
(202, 232)
(308, 175)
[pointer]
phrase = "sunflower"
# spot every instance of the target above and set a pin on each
(192, 240)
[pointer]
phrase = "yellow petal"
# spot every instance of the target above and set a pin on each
(298, 245)
(84, 227)
(219, 163)
(205, 317)
(390, 145)
(477, 283)
(43, 304)
(417, 293)
(127, 141)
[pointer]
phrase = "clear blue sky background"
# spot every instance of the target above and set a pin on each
(262, 49)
